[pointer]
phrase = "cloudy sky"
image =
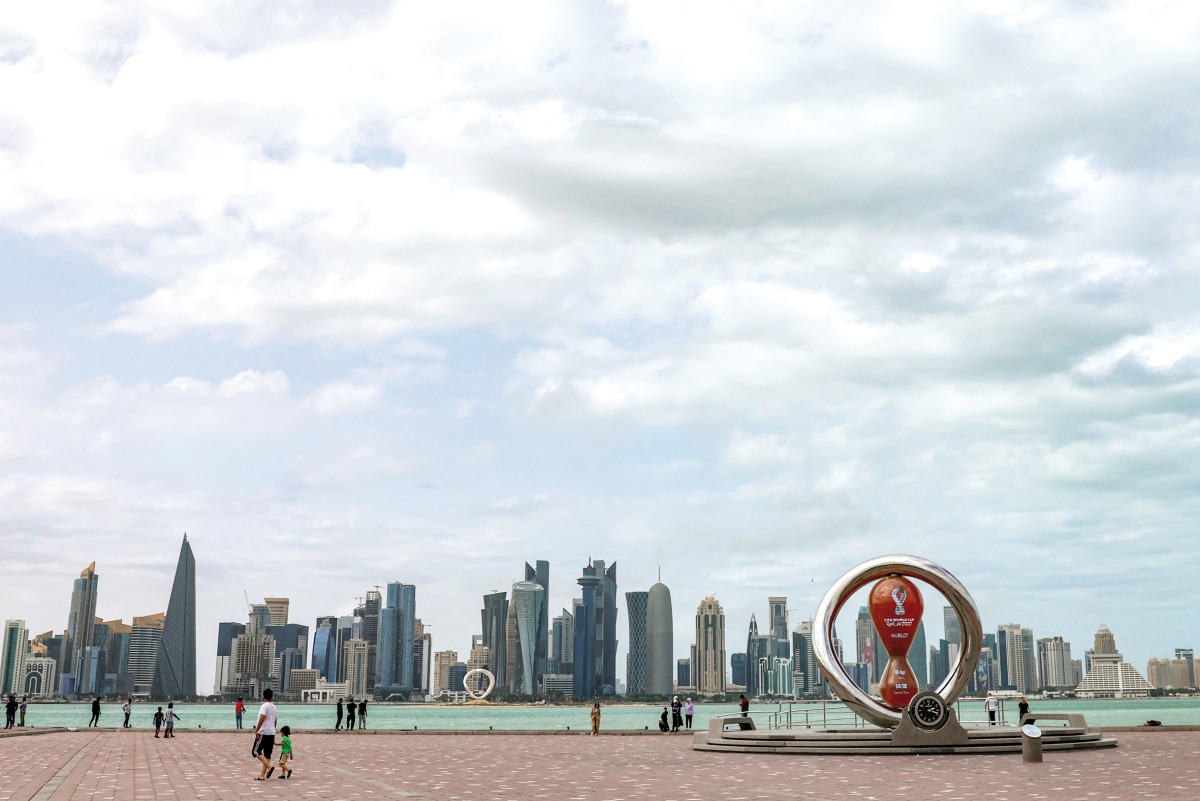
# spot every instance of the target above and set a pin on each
(367, 291)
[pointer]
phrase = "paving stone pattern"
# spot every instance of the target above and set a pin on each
(133, 766)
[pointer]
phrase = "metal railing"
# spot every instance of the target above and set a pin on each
(833, 714)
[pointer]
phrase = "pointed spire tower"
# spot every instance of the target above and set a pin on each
(175, 675)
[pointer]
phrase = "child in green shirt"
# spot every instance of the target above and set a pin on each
(285, 753)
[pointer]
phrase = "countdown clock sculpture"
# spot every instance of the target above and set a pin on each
(896, 608)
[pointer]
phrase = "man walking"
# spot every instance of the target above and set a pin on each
(264, 734)
(95, 721)
(238, 709)
(992, 703)
(338, 727)
(350, 709)
(127, 708)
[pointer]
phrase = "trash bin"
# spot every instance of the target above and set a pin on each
(1031, 743)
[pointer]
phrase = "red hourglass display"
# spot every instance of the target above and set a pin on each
(896, 607)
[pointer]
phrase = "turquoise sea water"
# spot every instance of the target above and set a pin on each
(1171, 711)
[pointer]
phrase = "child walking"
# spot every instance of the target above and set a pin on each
(285, 753)
(172, 715)
(158, 721)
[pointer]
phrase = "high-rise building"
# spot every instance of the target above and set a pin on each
(175, 675)
(710, 648)
(495, 616)
(1188, 655)
(442, 660)
(1110, 676)
(356, 653)
(660, 639)
(758, 657)
(259, 619)
(325, 647)
(1054, 663)
(41, 674)
(540, 575)
(422, 658)
(80, 622)
(683, 672)
(780, 647)
(397, 629)
(456, 674)
(566, 654)
(16, 647)
(369, 613)
(481, 657)
(596, 632)
(1017, 657)
(737, 668)
(512, 649)
(635, 658)
(227, 634)
(917, 655)
(278, 608)
(952, 625)
(145, 641)
(528, 598)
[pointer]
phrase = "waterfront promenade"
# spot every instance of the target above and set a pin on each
(133, 766)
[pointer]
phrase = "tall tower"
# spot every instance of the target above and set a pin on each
(780, 647)
(175, 674)
(80, 623)
(528, 599)
(397, 628)
(710, 648)
(494, 614)
(12, 660)
(540, 575)
(635, 658)
(660, 640)
(588, 663)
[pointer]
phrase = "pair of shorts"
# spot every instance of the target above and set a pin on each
(266, 746)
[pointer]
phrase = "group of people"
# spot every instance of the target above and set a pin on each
(681, 716)
(11, 707)
(348, 710)
(993, 704)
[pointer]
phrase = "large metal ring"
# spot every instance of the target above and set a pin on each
(487, 674)
(937, 577)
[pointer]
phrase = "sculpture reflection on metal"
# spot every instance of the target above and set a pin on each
(862, 704)
(491, 683)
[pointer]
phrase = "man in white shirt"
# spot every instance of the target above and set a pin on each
(992, 703)
(264, 734)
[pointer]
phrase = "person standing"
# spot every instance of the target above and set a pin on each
(689, 709)
(10, 712)
(127, 708)
(95, 721)
(171, 716)
(362, 714)
(24, 703)
(158, 721)
(350, 709)
(238, 710)
(992, 703)
(676, 714)
(264, 732)
(338, 727)
(663, 726)
(744, 705)
(596, 718)
(1022, 711)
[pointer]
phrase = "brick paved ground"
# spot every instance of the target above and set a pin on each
(133, 766)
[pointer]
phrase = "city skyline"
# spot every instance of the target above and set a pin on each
(1015, 647)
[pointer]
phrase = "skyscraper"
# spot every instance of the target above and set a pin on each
(540, 575)
(279, 610)
(1189, 655)
(369, 612)
(227, 634)
(325, 647)
(1017, 657)
(79, 624)
(1054, 662)
(175, 675)
(596, 632)
(635, 659)
(952, 625)
(145, 641)
(12, 660)
(397, 624)
(710, 648)
(758, 658)
(660, 639)
(528, 598)
(779, 627)
(495, 614)
(804, 659)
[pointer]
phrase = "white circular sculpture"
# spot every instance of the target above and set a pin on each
(491, 683)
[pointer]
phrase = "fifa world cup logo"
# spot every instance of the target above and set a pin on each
(896, 607)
